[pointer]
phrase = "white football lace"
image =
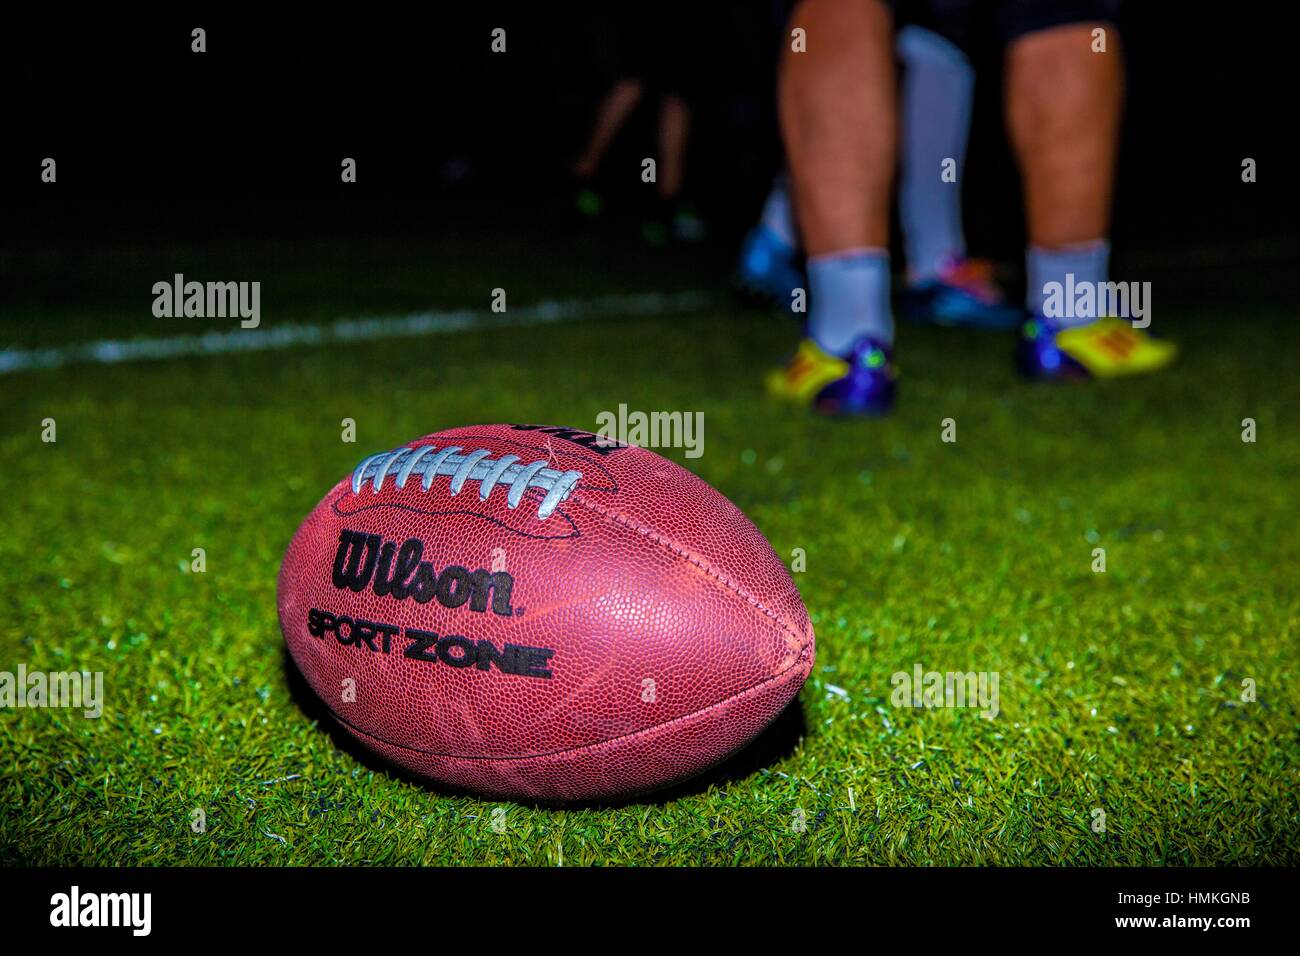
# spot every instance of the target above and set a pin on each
(478, 465)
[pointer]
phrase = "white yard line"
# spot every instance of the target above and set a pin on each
(413, 325)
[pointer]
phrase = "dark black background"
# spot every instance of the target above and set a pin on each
(247, 138)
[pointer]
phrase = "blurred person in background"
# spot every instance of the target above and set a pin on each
(659, 60)
(1062, 106)
(944, 285)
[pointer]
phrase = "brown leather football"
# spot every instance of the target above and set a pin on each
(537, 613)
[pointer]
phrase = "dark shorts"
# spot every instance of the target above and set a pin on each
(973, 24)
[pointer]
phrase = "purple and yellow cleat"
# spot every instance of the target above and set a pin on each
(963, 294)
(862, 383)
(1105, 348)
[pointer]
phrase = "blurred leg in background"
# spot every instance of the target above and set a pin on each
(935, 103)
(1064, 96)
(938, 87)
(611, 116)
(838, 120)
(674, 128)
(671, 216)
(944, 285)
(679, 78)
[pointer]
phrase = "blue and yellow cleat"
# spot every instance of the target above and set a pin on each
(860, 384)
(768, 270)
(963, 294)
(1106, 348)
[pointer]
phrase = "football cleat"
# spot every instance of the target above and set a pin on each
(862, 383)
(768, 270)
(588, 203)
(1106, 348)
(664, 221)
(963, 294)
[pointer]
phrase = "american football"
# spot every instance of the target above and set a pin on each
(540, 613)
(895, 466)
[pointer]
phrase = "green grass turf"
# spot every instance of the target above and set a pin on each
(1119, 691)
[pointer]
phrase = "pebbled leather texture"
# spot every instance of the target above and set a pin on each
(675, 632)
